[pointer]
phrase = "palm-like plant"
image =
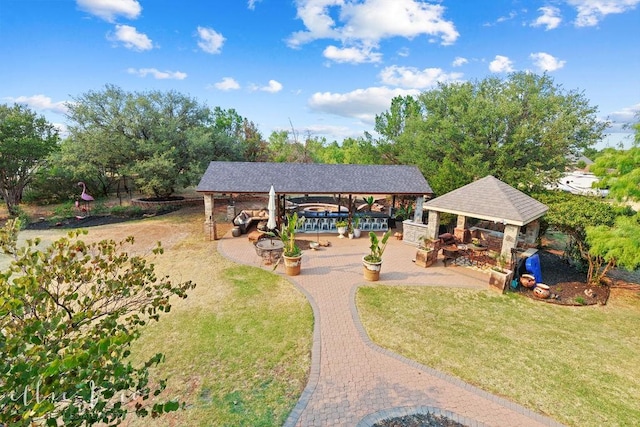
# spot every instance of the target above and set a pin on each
(377, 247)
(288, 235)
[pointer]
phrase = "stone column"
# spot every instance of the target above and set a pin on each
(510, 240)
(209, 218)
(433, 225)
(531, 232)
(461, 231)
(417, 215)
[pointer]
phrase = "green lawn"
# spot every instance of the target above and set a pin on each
(579, 365)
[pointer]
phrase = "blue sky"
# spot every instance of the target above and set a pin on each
(323, 67)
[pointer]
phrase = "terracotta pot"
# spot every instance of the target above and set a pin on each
(542, 291)
(527, 280)
(371, 270)
(292, 265)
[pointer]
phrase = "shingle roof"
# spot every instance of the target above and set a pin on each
(312, 178)
(491, 199)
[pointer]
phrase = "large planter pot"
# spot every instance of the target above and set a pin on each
(498, 280)
(356, 233)
(341, 231)
(425, 257)
(292, 265)
(371, 270)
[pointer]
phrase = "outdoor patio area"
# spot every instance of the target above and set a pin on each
(354, 382)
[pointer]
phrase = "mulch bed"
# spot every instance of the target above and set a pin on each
(568, 286)
(419, 420)
(69, 223)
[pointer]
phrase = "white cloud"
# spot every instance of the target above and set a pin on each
(131, 38)
(459, 61)
(501, 19)
(550, 18)
(40, 103)
(110, 9)
(157, 74)
(367, 22)
(545, 62)
(625, 116)
(362, 104)
(591, 12)
(210, 40)
(252, 4)
(501, 64)
(410, 77)
(273, 87)
(352, 55)
(227, 83)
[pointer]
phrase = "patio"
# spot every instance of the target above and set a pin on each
(353, 381)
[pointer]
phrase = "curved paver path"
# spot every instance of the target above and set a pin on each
(354, 382)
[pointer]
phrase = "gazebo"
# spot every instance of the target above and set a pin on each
(488, 199)
(309, 178)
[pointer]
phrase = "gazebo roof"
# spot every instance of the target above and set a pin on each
(490, 199)
(313, 178)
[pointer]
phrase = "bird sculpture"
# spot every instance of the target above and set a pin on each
(86, 199)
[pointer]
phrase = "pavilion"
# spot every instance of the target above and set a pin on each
(310, 178)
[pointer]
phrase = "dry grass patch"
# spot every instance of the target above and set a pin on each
(238, 348)
(579, 365)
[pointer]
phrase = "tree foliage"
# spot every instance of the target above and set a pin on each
(162, 140)
(614, 246)
(619, 170)
(25, 142)
(521, 130)
(68, 316)
(574, 215)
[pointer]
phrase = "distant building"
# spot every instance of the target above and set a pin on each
(578, 182)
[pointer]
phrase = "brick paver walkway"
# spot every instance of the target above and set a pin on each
(353, 382)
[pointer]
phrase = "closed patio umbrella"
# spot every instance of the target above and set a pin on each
(271, 207)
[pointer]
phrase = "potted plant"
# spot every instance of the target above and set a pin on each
(292, 254)
(427, 252)
(341, 225)
(350, 231)
(356, 227)
(500, 275)
(373, 262)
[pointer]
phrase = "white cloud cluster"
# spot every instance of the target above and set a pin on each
(157, 74)
(626, 116)
(131, 38)
(591, 12)
(545, 62)
(353, 55)
(210, 40)
(362, 104)
(501, 64)
(363, 24)
(40, 103)
(459, 61)
(273, 87)
(549, 18)
(412, 78)
(226, 84)
(110, 9)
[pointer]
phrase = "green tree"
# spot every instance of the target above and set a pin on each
(113, 134)
(574, 215)
(522, 130)
(68, 316)
(25, 142)
(614, 246)
(619, 170)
